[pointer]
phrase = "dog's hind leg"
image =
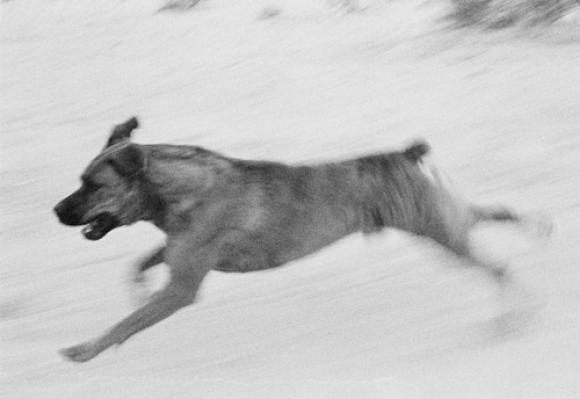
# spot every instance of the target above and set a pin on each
(463, 248)
(138, 287)
(515, 302)
(452, 228)
(540, 225)
(494, 213)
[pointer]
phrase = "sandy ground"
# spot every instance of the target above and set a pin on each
(388, 317)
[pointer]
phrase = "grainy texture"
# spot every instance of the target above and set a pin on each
(235, 215)
(379, 317)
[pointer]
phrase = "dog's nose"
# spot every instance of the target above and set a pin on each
(58, 209)
(65, 215)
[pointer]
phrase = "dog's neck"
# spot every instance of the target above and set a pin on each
(176, 181)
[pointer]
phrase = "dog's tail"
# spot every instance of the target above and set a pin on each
(417, 150)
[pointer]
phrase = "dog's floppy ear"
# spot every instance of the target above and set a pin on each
(122, 131)
(128, 161)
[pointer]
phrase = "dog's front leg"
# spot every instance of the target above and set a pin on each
(179, 292)
(138, 283)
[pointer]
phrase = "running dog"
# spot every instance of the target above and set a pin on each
(232, 215)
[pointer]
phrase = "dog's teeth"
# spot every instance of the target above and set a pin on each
(88, 229)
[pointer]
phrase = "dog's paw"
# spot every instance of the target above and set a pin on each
(80, 353)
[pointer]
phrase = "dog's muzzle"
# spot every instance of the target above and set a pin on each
(67, 215)
(95, 228)
(99, 226)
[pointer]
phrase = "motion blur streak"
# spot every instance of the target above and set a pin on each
(384, 317)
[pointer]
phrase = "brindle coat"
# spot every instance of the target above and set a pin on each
(236, 215)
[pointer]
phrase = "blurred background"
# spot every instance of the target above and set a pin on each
(493, 85)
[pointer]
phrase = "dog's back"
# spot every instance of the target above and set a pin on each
(295, 210)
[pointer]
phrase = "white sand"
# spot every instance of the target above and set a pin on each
(387, 317)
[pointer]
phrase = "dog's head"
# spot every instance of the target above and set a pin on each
(111, 193)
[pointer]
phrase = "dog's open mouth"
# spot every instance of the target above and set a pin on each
(99, 226)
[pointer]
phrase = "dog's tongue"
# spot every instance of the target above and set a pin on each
(100, 226)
